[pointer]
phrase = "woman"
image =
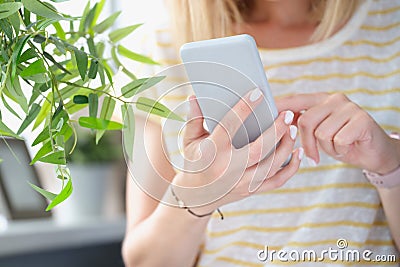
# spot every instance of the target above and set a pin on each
(335, 65)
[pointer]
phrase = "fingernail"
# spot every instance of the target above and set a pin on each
(311, 162)
(293, 132)
(301, 153)
(289, 115)
(255, 95)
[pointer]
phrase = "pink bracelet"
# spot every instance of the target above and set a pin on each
(389, 180)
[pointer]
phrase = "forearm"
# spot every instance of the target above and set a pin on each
(169, 237)
(390, 200)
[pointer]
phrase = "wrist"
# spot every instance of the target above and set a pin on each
(393, 162)
(389, 175)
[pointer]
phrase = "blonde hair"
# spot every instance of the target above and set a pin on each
(195, 20)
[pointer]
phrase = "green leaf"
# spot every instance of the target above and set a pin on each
(45, 134)
(140, 85)
(39, 8)
(94, 66)
(58, 65)
(134, 56)
(34, 68)
(100, 49)
(81, 99)
(154, 107)
(92, 47)
(63, 195)
(93, 105)
(101, 74)
(129, 131)
(7, 9)
(33, 112)
(9, 107)
(89, 18)
(43, 151)
(81, 62)
(119, 34)
(7, 29)
(107, 23)
(44, 111)
(28, 54)
(50, 196)
(15, 22)
(99, 9)
(99, 124)
(54, 158)
(27, 17)
(14, 92)
(84, 15)
(17, 52)
(5, 131)
(106, 112)
(58, 1)
(59, 30)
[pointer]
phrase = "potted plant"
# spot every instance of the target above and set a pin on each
(54, 65)
(98, 171)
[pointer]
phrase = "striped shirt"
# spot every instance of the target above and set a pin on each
(333, 200)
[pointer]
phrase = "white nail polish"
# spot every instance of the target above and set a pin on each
(289, 115)
(293, 132)
(311, 162)
(301, 153)
(255, 95)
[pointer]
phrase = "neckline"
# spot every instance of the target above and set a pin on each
(313, 50)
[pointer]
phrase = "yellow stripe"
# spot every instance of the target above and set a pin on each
(239, 262)
(331, 59)
(384, 108)
(373, 43)
(384, 11)
(368, 91)
(175, 98)
(335, 75)
(161, 44)
(320, 188)
(380, 28)
(326, 168)
(290, 228)
(257, 246)
(390, 128)
(170, 61)
(299, 209)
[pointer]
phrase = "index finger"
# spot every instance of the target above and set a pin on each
(300, 102)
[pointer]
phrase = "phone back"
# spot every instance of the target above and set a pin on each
(222, 71)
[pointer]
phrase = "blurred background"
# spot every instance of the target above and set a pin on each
(87, 229)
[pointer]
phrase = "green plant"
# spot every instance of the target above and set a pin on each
(50, 62)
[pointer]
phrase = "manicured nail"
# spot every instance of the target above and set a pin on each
(255, 95)
(301, 153)
(289, 115)
(311, 162)
(293, 132)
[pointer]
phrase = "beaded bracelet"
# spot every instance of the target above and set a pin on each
(183, 206)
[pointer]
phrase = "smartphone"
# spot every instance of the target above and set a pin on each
(223, 70)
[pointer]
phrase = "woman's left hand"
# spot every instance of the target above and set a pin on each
(342, 130)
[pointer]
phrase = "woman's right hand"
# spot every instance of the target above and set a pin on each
(216, 173)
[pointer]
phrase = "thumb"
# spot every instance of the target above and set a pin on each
(194, 127)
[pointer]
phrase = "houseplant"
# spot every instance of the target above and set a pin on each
(50, 63)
